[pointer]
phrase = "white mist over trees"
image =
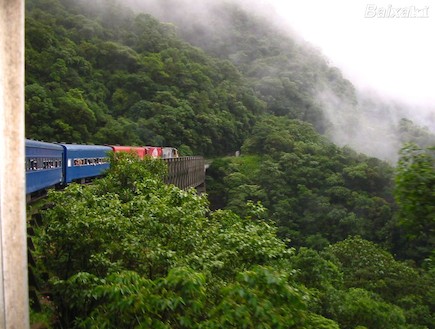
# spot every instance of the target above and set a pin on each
(363, 118)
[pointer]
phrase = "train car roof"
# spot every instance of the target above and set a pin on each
(33, 143)
(79, 147)
(126, 148)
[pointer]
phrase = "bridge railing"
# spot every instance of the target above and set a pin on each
(186, 172)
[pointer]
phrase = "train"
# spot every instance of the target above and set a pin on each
(58, 164)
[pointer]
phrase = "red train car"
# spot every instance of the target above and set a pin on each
(152, 151)
(140, 151)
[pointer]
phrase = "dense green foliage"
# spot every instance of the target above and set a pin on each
(126, 79)
(316, 192)
(131, 252)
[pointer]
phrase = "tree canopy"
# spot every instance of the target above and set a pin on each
(129, 251)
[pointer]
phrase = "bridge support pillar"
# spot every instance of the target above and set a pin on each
(14, 305)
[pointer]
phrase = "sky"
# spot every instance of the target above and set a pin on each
(371, 43)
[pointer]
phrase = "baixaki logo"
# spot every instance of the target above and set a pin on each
(373, 11)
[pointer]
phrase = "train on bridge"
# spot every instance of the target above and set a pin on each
(51, 164)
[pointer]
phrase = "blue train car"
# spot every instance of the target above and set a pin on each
(43, 165)
(82, 162)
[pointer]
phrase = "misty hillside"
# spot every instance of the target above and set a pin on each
(284, 72)
(293, 77)
(121, 76)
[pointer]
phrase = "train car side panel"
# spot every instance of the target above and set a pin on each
(85, 161)
(43, 165)
(140, 151)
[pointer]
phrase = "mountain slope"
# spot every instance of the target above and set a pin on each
(292, 76)
(118, 78)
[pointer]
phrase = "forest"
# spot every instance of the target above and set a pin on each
(299, 231)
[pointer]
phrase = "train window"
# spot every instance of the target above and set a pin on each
(33, 164)
(90, 161)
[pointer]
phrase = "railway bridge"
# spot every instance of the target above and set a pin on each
(187, 172)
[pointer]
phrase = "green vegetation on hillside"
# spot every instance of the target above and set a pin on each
(316, 192)
(131, 252)
(297, 232)
(287, 74)
(124, 79)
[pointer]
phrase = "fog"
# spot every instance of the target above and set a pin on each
(385, 49)
(392, 55)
